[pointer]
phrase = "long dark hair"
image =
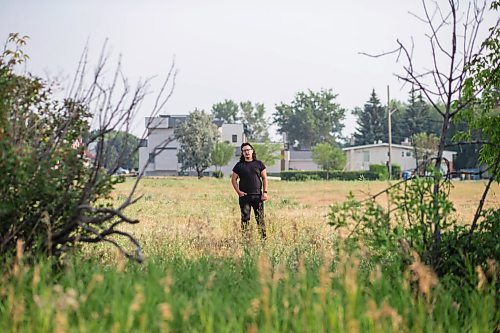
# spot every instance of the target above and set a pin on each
(242, 157)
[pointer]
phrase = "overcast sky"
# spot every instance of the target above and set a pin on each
(259, 50)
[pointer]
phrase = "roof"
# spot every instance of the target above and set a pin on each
(300, 154)
(383, 144)
(376, 145)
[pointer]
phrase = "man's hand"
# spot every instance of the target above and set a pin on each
(241, 193)
(263, 197)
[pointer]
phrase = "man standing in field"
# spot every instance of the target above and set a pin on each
(252, 187)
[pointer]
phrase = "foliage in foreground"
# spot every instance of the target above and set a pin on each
(406, 225)
(255, 293)
(56, 170)
(46, 186)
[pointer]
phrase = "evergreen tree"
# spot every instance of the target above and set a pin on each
(417, 115)
(372, 122)
(398, 121)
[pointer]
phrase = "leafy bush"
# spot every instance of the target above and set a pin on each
(382, 172)
(393, 236)
(294, 175)
(464, 250)
(396, 171)
(54, 188)
(218, 174)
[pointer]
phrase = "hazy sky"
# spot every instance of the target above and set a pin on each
(257, 50)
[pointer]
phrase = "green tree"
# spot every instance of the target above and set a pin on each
(121, 150)
(398, 110)
(461, 85)
(267, 152)
(226, 111)
(417, 115)
(222, 154)
(482, 95)
(254, 121)
(328, 156)
(480, 105)
(197, 137)
(371, 123)
(311, 118)
(468, 153)
(425, 147)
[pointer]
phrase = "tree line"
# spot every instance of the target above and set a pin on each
(314, 120)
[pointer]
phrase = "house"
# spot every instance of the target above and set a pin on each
(158, 153)
(298, 160)
(361, 157)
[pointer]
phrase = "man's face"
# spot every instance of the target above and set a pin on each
(247, 152)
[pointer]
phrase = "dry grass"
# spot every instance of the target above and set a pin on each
(202, 216)
(285, 284)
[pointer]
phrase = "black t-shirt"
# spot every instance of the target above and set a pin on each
(250, 176)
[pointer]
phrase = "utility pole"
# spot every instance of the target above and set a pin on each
(389, 112)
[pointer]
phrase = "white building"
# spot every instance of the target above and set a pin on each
(158, 153)
(299, 160)
(361, 157)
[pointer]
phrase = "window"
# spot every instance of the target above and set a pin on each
(366, 156)
(235, 138)
(151, 159)
(408, 153)
(402, 154)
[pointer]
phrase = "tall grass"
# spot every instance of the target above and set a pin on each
(201, 275)
(333, 293)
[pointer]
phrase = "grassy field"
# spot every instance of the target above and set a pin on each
(204, 214)
(201, 275)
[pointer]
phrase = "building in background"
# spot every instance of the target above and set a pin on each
(361, 157)
(158, 153)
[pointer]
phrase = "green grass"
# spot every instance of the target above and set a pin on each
(210, 294)
(201, 276)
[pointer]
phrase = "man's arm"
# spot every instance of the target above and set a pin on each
(263, 174)
(234, 181)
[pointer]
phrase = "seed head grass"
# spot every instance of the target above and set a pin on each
(202, 275)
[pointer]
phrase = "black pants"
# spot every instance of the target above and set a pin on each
(248, 202)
